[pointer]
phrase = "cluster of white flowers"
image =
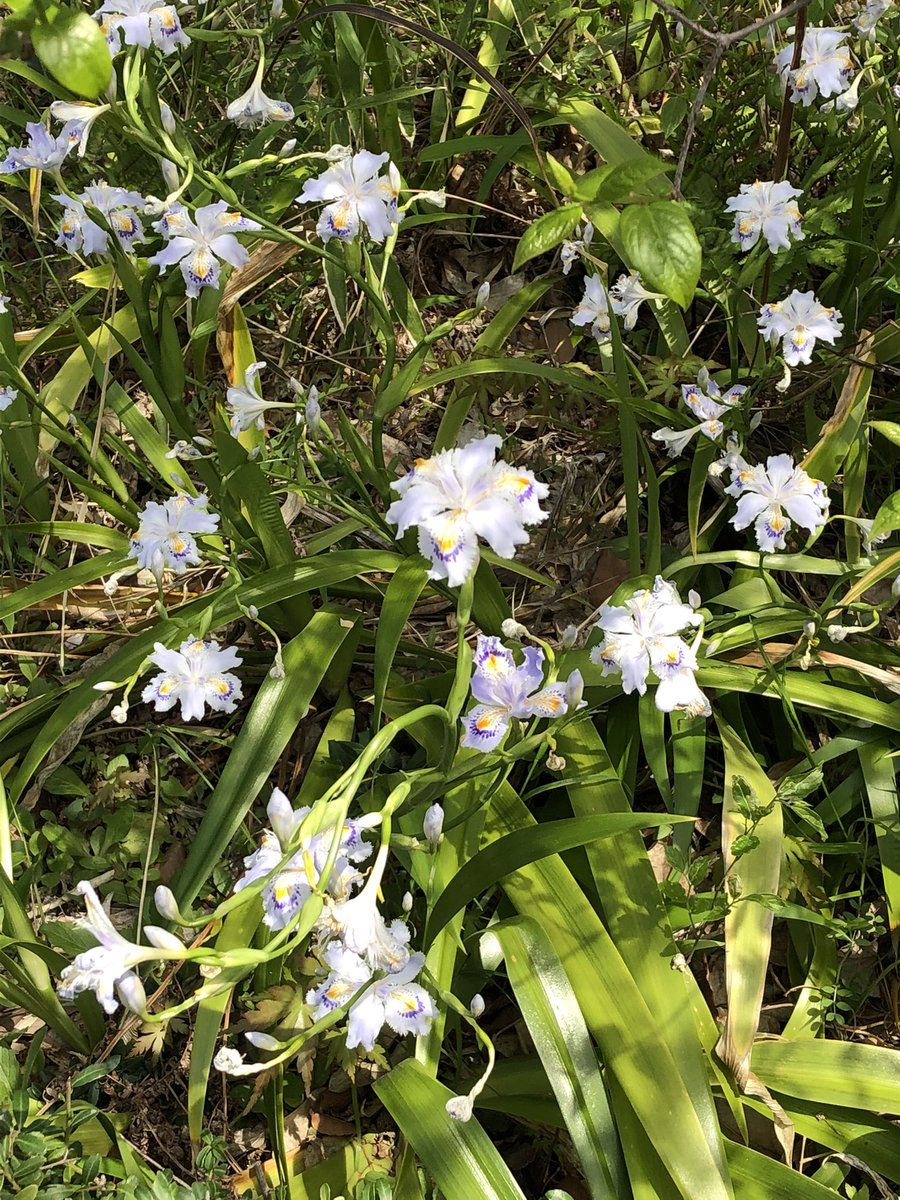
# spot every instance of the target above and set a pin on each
(356, 194)
(195, 675)
(624, 299)
(709, 404)
(79, 233)
(800, 321)
(772, 497)
(165, 537)
(107, 969)
(142, 23)
(571, 249)
(768, 210)
(200, 244)
(505, 691)
(460, 495)
(247, 408)
(643, 636)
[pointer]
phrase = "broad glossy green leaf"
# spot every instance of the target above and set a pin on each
(849, 1074)
(661, 243)
(74, 51)
(409, 581)
(459, 1155)
(546, 233)
(561, 1038)
(609, 139)
(758, 1177)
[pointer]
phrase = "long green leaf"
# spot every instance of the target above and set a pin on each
(849, 1074)
(878, 768)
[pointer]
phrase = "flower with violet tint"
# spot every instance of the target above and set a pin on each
(143, 23)
(867, 18)
(825, 65)
(355, 194)
(245, 405)
(199, 244)
(78, 232)
(165, 535)
(774, 497)
(460, 495)
(769, 210)
(254, 108)
(393, 1000)
(194, 675)
(593, 309)
(643, 636)
(570, 250)
(799, 321)
(108, 967)
(626, 296)
(287, 891)
(707, 402)
(504, 690)
(44, 152)
(7, 396)
(4, 302)
(82, 112)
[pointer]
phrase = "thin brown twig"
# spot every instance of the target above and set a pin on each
(724, 40)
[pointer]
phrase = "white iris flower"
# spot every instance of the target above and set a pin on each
(165, 533)
(286, 893)
(570, 250)
(193, 676)
(355, 194)
(867, 18)
(643, 636)
(246, 407)
(4, 302)
(44, 152)
(7, 396)
(626, 296)
(460, 495)
(593, 309)
(766, 209)
(199, 244)
(504, 691)
(800, 321)
(108, 968)
(826, 66)
(392, 1000)
(143, 23)
(774, 497)
(709, 404)
(82, 112)
(79, 233)
(255, 108)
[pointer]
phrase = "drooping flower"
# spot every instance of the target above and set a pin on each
(355, 194)
(254, 108)
(108, 968)
(82, 112)
(570, 250)
(194, 675)
(643, 636)
(826, 66)
(800, 320)
(199, 244)
(245, 405)
(286, 893)
(460, 495)
(392, 1000)
(626, 296)
(593, 309)
(7, 396)
(143, 23)
(79, 232)
(504, 691)
(709, 404)
(358, 923)
(869, 16)
(44, 152)
(774, 497)
(165, 534)
(766, 209)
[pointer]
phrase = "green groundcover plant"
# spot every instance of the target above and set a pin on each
(449, 670)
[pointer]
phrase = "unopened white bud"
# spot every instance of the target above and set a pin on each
(407, 902)
(460, 1108)
(694, 598)
(167, 117)
(276, 671)
(702, 378)
(263, 1041)
(313, 411)
(288, 148)
(895, 587)
(679, 31)
(203, 441)
(482, 296)
(112, 88)
(169, 174)
(106, 685)
(132, 994)
(166, 904)
(433, 825)
(119, 713)
(162, 939)
(476, 1008)
(755, 420)
(513, 629)
(810, 628)
(277, 10)
(252, 612)
(569, 637)
(574, 689)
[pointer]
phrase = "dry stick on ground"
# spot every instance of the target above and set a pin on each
(720, 42)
